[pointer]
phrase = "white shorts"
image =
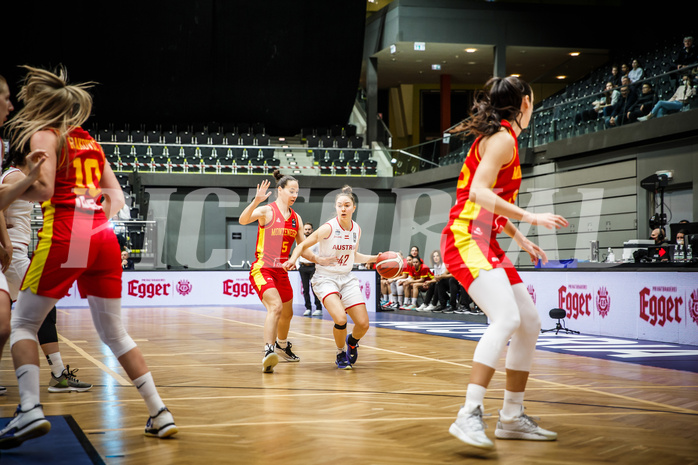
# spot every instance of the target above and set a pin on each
(345, 285)
(3, 285)
(18, 268)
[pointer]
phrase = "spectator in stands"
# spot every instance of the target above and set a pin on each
(624, 69)
(636, 73)
(619, 111)
(609, 97)
(644, 104)
(437, 286)
(694, 75)
(680, 98)
(615, 76)
(687, 55)
(615, 97)
(126, 261)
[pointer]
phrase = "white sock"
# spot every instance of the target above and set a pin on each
(282, 343)
(393, 298)
(513, 404)
(28, 384)
(149, 393)
(56, 363)
(400, 299)
(342, 349)
(414, 301)
(474, 396)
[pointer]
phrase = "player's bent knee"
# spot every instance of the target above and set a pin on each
(119, 344)
(20, 333)
(507, 326)
(362, 325)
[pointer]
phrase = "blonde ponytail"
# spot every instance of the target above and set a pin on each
(49, 103)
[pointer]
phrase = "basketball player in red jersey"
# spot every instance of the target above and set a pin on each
(279, 226)
(487, 188)
(75, 244)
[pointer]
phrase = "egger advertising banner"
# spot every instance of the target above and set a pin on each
(188, 288)
(656, 306)
(661, 306)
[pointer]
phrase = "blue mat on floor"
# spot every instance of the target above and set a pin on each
(65, 444)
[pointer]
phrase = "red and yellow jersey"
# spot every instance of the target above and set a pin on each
(423, 272)
(506, 186)
(274, 239)
(407, 265)
(76, 187)
(468, 242)
(74, 243)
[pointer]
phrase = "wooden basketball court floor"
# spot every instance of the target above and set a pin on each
(395, 407)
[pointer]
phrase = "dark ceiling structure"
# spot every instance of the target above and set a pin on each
(286, 64)
(201, 61)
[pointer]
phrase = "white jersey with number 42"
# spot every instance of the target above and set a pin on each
(342, 244)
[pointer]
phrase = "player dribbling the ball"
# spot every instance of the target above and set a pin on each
(334, 284)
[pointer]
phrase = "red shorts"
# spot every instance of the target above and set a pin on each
(264, 278)
(70, 251)
(465, 254)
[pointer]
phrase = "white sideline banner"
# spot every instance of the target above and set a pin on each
(188, 288)
(655, 306)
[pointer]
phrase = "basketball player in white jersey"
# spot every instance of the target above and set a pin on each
(334, 284)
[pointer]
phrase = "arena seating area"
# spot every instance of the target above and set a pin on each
(337, 150)
(236, 149)
(554, 117)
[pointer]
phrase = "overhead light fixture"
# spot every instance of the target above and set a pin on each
(561, 77)
(515, 75)
(436, 67)
(420, 46)
(470, 50)
(574, 54)
(393, 48)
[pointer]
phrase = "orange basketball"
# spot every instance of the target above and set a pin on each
(389, 265)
